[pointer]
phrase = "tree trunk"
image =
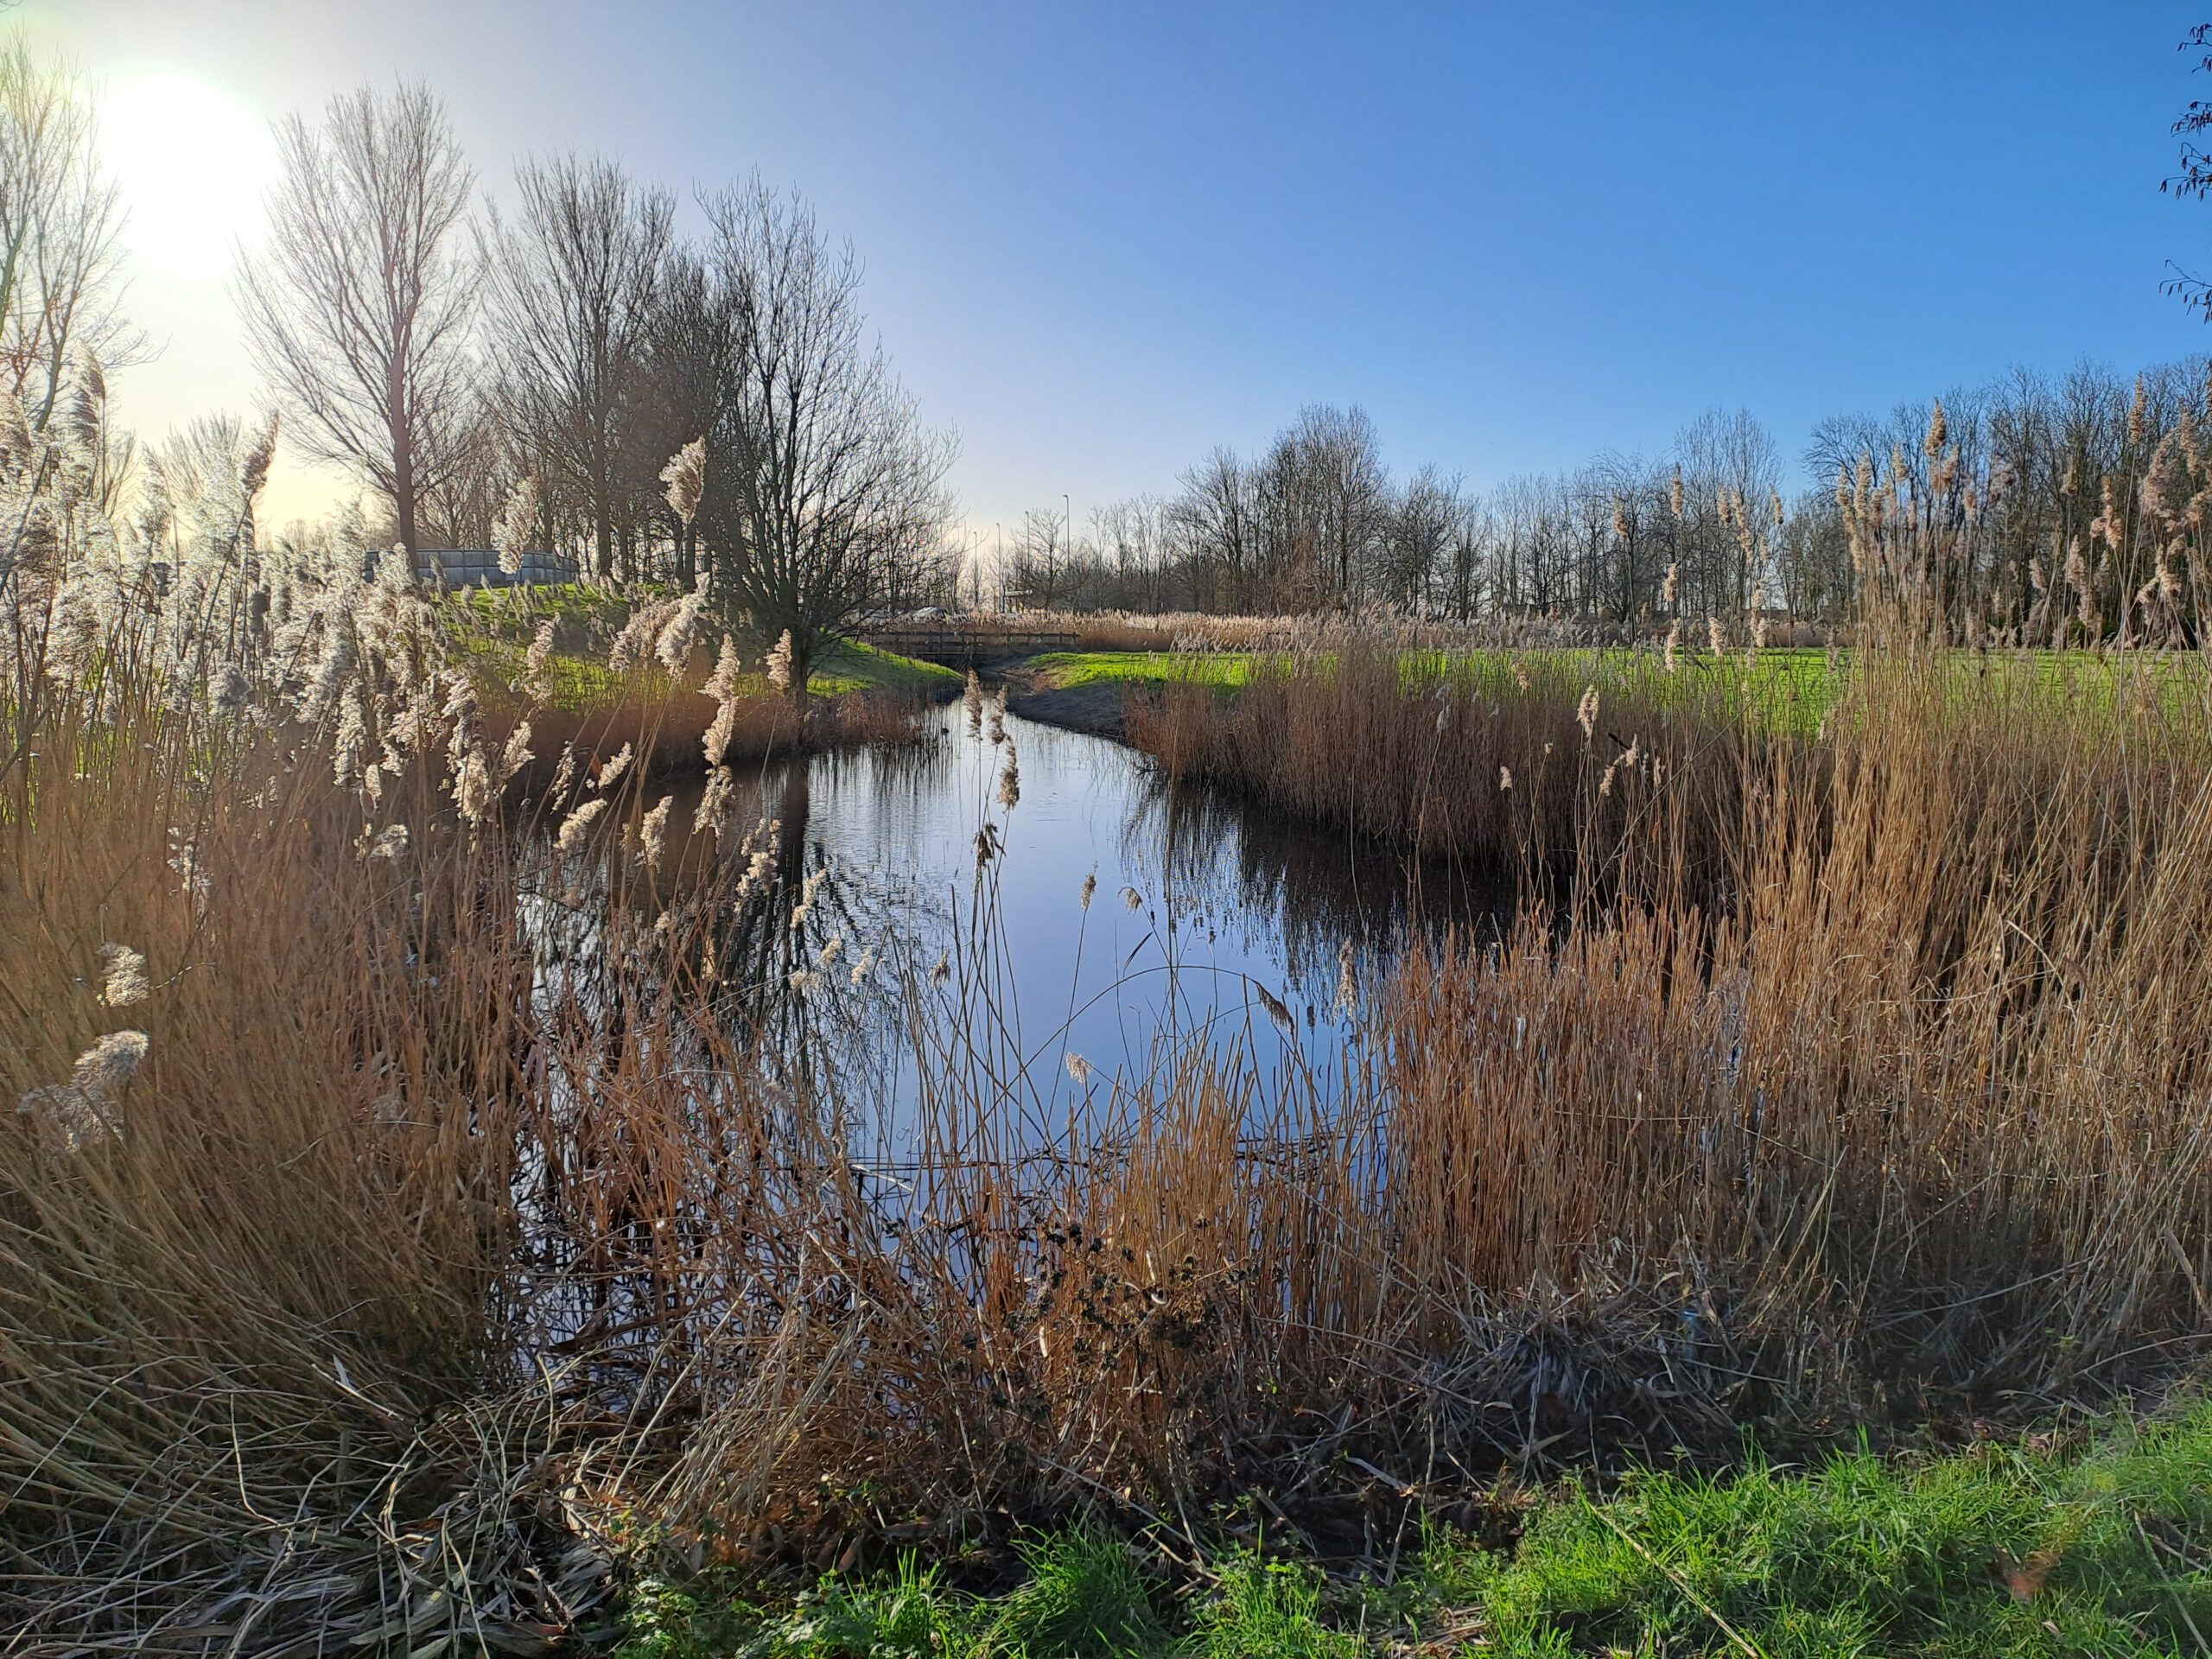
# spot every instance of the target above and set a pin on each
(403, 466)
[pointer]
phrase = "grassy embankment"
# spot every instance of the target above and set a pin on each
(858, 692)
(2099, 1546)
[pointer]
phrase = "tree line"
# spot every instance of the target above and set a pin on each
(2040, 484)
(707, 411)
(572, 371)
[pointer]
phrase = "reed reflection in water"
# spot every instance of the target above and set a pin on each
(1110, 917)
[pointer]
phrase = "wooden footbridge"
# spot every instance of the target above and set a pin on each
(955, 646)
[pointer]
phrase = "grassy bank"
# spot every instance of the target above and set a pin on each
(2090, 1545)
(493, 629)
(1785, 690)
(551, 656)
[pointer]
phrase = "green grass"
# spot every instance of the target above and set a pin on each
(493, 627)
(1788, 689)
(855, 666)
(1781, 688)
(517, 611)
(2005, 1550)
(1067, 669)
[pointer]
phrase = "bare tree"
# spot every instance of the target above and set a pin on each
(459, 504)
(820, 478)
(1042, 556)
(2195, 178)
(1416, 533)
(698, 321)
(60, 221)
(356, 312)
(1134, 540)
(572, 285)
(1217, 517)
(1729, 471)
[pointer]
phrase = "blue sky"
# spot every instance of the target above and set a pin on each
(1101, 238)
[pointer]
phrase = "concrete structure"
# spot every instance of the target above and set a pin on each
(479, 567)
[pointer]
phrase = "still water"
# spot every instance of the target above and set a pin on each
(1208, 921)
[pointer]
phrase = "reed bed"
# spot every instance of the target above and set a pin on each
(1539, 765)
(434, 1193)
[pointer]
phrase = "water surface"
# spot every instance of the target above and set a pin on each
(1207, 920)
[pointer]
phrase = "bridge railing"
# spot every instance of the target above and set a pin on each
(964, 646)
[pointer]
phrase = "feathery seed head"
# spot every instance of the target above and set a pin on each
(110, 1063)
(511, 531)
(686, 478)
(123, 979)
(652, 832)
(577, 825)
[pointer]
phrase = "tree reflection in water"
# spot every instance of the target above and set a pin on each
(868, 860)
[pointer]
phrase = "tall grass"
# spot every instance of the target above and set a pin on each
(491, 1202)
(1541, 765)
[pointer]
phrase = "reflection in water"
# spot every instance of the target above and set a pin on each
(1317, 900)
(875, 967)
(1114, 913)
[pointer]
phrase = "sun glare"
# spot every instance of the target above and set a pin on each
(193, 165)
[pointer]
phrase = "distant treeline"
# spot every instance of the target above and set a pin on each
(569, 370)
(2080, 487)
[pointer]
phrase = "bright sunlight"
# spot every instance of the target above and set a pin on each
(192, 163)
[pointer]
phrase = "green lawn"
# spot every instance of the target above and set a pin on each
(2005, 1549)
(1782, 689)
(1790, 687)
(1073, 668)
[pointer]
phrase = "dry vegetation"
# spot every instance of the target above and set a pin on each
(424, 1200)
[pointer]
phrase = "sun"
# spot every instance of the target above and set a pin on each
(192, 165)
